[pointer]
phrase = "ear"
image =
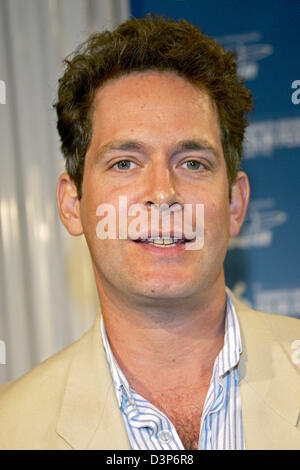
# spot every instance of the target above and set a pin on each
(240, 192)
(69, 205)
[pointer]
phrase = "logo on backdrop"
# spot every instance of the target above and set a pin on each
(264, 137)
(250, 51)
(257, 228)
(281, 300)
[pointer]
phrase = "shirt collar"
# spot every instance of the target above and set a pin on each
(120, 382)
(226, 360)
(229, 356)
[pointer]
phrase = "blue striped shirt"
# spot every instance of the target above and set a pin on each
(221, 421)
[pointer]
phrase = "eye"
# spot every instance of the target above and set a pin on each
(193, 165)
(124, 165)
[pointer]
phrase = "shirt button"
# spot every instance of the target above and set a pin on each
(164, 436)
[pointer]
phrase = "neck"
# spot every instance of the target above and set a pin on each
(182, 341)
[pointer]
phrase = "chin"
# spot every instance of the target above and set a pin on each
(171, 291)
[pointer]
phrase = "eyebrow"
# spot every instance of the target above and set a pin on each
(135, 145)
(195, 145)
(132, 145)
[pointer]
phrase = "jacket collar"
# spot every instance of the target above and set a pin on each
(90, 417)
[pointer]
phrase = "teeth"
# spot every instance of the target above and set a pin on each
(163, 242)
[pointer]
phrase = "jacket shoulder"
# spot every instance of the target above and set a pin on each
(31, 403)
(275, 329)
(286, 330)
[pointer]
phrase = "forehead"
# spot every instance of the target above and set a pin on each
(153, 89)
(160, 107)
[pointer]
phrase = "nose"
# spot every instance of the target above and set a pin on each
(161, 186)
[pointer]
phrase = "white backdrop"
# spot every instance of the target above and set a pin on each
(47, 292)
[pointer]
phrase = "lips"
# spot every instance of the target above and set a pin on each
(162, 242)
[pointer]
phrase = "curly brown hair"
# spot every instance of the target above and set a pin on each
(149, 43)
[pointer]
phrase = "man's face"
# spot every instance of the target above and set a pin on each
(156, 140)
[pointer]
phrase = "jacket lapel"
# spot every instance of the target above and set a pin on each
(269, 385)
(90, 417)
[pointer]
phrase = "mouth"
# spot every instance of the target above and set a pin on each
(163, 242)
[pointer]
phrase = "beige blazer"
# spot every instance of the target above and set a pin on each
(68, 401)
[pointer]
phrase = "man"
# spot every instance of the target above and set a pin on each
(154, 114)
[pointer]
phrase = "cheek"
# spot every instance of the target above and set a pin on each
(216, 219)
(101, 209)
(96, 192)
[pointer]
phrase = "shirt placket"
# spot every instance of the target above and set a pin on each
(205, 438)
(163, 437)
